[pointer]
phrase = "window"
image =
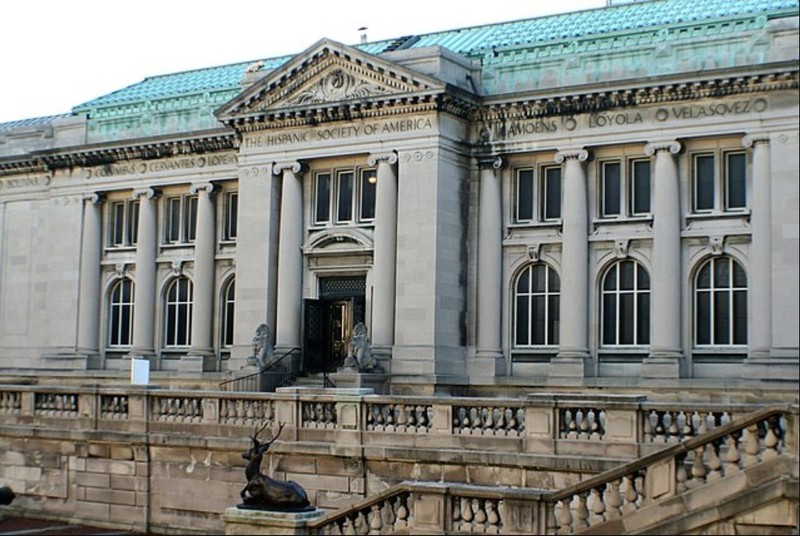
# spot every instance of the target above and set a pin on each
(181, 219)
(624, 192)
(344, 196)
(120, 314)
(178, 313)
(721, 303)
(719, 181)
(228, 309)
(231, 216)
(547, 190)
(625, 304)
(536, 307)
(123, 223)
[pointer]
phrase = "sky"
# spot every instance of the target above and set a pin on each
(56, 54)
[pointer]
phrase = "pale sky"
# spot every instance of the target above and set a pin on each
(56, 54)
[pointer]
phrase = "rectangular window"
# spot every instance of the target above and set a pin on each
(611, 189)
(181, 219)
(720, 181)
(345, 197)
(230, 229)
(704, 182)
(735, 181)
(624, 188)
(528, 209)
(123, 223)
(640, 187)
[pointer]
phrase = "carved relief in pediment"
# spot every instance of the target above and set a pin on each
(336, 85)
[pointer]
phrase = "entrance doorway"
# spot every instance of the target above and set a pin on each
(329, 322)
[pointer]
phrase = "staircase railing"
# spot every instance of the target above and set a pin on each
(277, 373)
(729, 449)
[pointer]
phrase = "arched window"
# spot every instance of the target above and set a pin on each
(536, 306)
(720, 303)
(178, 313)
(625, 305)
(228, 308)
(120, 314)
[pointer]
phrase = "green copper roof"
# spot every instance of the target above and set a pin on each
(202, 90)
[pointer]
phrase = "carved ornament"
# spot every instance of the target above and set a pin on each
(382, 158)
(672, 147)
(336, 85)
(581, 155)
(293, 167)
(716, 244)
(751, 140)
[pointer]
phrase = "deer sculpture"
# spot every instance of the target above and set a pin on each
(263, 492)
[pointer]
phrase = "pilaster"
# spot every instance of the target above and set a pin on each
(204, 253)
(89, 294)
(290, 256)
(145, 289)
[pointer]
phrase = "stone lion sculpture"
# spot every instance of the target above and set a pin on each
(359, 352)
(262, 346)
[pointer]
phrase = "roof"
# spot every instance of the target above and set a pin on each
(31, 122)
(472, 41)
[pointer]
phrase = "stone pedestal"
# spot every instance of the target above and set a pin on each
(256, 522)
(350, 379)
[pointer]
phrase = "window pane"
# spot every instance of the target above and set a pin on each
(739, 277)
(552, 197)
(538, 278)
(173, 219)
(170, 325)
(640, 197)
(740, 317)
(125, 325)
(704, 182)
(703, 318)
(610, 282)
(611, 189)
(643, 281)
(609, 319)
(369, 182)
(323, 198)
(721, 273)
(721, 318)
(191, 219)
(736, 180)
(643, 319)
(538, 320)
(117, 224)
(704, 277)
(523, 284)
(522, 321)
(553, 282)
(525, 195)
(626, 319)
(232, 216)
(553, 320)
(626, 270)
(133, 223)
(345, 211)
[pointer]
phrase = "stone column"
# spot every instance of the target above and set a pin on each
(665, 340)
(89, 296)
(145, 291)
(759, 282)
(385, 252)
(574, 315)
(204, 253)
(490, 259)
(290, 256)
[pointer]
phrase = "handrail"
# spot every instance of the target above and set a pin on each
(260, 377)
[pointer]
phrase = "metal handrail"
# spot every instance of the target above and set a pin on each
(269, 378)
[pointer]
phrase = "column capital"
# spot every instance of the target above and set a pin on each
(293, 166)
(581, 155)
(749, 141)
(95, 198)
(652, 148)
(207, 187)
(491, 162)
(389, 157)
(148, 193)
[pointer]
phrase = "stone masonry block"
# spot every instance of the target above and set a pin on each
(321, 482)
(339, 466)
(98, 450)
(110, 496)
(126, 515)
(539, 422)
(121, 453)
(621, 425)
(97, 465)
(93, 510)
(297, 465)
(93, 480)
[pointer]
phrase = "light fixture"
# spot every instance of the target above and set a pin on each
(372, 179)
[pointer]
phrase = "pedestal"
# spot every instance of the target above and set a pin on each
(257, 522)
(348, 379)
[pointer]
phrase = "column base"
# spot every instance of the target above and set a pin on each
(377, 381)
(487, 364)
(258, 522)
(771, 368)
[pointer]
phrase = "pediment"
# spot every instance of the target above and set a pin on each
(329, 74)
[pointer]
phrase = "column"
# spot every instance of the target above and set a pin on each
(89, 296)
(574, 317)
(204, 252)
(760, 273)
(490, 259)
(290, 256)
(385, 252)
(665, 319)
(145, 290)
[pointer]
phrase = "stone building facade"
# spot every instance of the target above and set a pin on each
(610, 194)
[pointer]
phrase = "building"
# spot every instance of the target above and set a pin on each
(598, 198)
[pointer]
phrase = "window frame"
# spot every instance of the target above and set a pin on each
(627, 187)
(228, 313)
(128, 221)
(539, 203)
(185, 219)
(180, 336)
(115, 322)
(331, 212)
(637, 317)
(713, 291)
(720, 181)
(230, 216)
(552, 311)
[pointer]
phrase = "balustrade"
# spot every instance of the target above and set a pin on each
(669, 426)
(582, 423)
(246, 412)
(475, 514)
(318, 414)
(488, 420)
(114, 407)
(177, 409)
(386, 515)
(399, 418)
(10, 403)
(55, 405)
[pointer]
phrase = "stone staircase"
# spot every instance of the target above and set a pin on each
(740, 478)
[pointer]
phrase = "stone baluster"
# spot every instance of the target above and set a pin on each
(204, 254)
(614, 499)
(598, 507)
(631, 495)
(290, 256)
(89, 294)
(581, 512)
(751, 446)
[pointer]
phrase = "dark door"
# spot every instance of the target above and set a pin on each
(313, 336)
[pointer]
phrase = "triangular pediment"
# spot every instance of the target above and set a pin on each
(328, 74)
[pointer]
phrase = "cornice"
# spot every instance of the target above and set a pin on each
(98, 155)
(637, 93)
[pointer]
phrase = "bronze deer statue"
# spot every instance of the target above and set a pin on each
(266, 493)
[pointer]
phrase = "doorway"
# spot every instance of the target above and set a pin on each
(329, 321)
